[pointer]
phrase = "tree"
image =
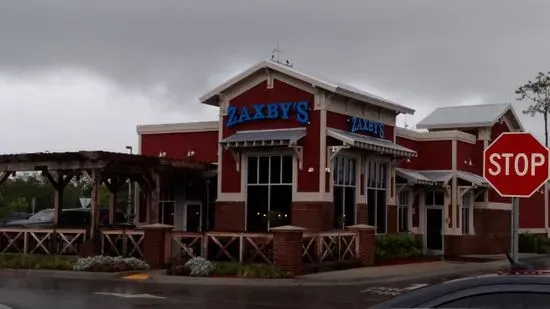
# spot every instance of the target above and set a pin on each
(538, 94)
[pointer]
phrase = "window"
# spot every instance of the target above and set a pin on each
(434, 198)
(403, 203)
(376, 195)
(344, 189)
(269, 190)
(465, 211)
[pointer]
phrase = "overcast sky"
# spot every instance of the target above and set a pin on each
(82, 74)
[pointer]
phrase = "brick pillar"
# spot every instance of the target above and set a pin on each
(154, 244)
(287, 249)
(365, 243)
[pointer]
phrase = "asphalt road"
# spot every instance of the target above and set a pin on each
(49, 293)
(46, 293)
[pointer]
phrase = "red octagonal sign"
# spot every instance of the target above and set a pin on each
(516, 164)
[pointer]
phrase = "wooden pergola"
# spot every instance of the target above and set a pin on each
(99, 167)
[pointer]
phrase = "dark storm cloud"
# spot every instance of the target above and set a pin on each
(438, 50)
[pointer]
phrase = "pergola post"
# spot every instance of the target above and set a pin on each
(155, 198)
(95, 181)
(59, 181)
(113, 184)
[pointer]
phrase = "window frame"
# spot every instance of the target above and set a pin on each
(267, 184)
(347, 178)
(404, 226)
(378, 183)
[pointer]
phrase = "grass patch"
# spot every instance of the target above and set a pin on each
(36, 261)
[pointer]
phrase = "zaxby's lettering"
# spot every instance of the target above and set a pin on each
(299, 110)
(367, 126)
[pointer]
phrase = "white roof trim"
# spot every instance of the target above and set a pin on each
(167, 128)
(315, 82)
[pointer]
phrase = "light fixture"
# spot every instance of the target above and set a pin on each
(310, 170)
(327, 169)
(190, 153)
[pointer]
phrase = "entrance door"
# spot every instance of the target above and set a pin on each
(193, 215)
(434, 226)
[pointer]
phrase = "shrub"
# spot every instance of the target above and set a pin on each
(532, 243)
(199, 267)
(393, 246)
(102, 263)
(177, 265)
(36, 261)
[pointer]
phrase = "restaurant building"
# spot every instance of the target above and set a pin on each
(322, 156)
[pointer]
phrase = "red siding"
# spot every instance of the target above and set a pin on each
(531, 211)
(340, 121)
(281, 92)
(176, 145)
(466, 152)
(432, 155)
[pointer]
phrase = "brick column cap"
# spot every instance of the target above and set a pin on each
(361, 227)
(287, 229)
(156, 226)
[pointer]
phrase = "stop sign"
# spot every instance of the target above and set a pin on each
(516, 164)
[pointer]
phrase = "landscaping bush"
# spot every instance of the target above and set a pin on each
(177, 265)
(199, 267)
(102, 263)
(532, 243)
(37, 261)
(396, 246)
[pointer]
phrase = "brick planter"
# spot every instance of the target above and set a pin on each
(287, 249)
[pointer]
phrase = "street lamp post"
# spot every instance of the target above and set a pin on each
(129, 209)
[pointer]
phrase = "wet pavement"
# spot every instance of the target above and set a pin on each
(55, 293)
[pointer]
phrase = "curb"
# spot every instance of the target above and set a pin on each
(155, 278)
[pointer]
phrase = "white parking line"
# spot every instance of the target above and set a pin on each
(382, 290)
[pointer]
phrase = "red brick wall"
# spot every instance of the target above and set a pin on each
(229, 216)
(281, 92)
(315, 216)
(176, 145)
(492, 236)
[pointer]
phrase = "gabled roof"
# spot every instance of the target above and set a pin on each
(211, 97)
(468, 116)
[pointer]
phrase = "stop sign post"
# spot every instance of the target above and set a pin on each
(516, 165)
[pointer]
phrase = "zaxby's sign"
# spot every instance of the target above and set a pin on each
(298, 111)
(360, 125)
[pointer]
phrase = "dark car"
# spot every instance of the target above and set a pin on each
(69, 218)
(15, 217)
(489, 291)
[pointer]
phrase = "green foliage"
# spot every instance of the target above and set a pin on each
(537, 93)
(17, 193)
(274, 217)
(37, 261)
(531, 243)
(394, 246)
(234, 269)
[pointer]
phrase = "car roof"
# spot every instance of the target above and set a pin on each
(422, 295)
